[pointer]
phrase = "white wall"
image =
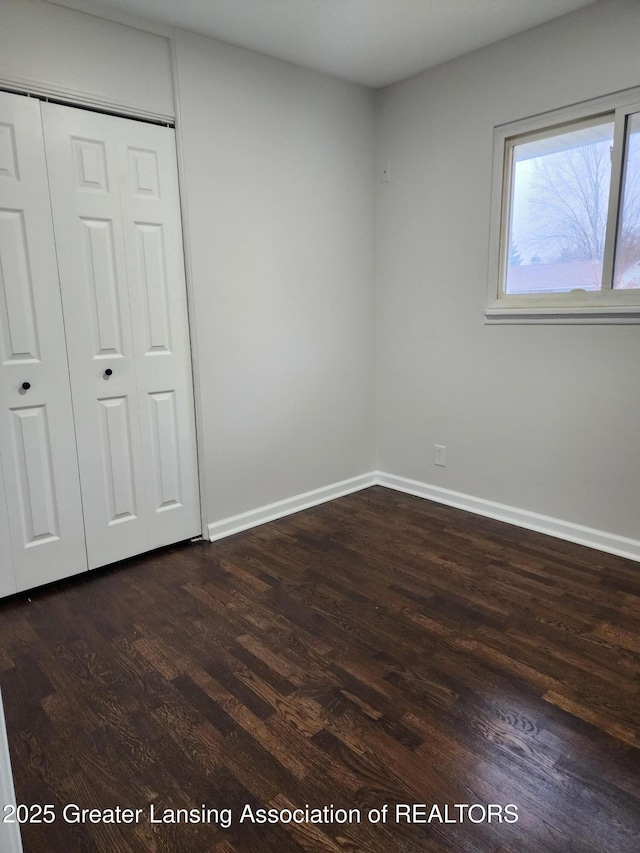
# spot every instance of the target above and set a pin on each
(279, 183)
(543, 418)
(53, 50)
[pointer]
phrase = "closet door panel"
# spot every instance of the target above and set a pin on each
(82, 157)
(7, 576)
(37, 444)
(155, 264)
(114, 194)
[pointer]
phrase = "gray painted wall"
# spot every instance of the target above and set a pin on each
(543, 418)
(279, 183)
(84, 57)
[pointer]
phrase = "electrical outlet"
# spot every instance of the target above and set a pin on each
(440, 457)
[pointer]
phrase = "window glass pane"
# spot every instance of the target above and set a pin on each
(559, 200)
(627, 268)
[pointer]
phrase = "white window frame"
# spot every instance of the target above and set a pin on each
(604, 306)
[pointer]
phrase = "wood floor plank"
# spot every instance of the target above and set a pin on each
(378, 650)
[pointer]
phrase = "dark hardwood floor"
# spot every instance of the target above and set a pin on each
(375, 650)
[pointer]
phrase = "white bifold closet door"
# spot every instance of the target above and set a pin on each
(114, 197)
(7, 575)
(40, 509)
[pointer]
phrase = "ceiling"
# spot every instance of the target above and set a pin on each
(373, 42)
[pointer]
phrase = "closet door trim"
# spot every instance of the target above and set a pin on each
(49, 91)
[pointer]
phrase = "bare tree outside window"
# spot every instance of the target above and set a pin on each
(570, 201)
(560, 197)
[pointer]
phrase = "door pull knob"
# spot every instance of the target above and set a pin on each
(26, 386)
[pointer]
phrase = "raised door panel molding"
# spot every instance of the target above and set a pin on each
(37, 500)
(154, 285)
(19, 329)
(168, 479)
(116, 442)
(101, 286)
(8, 156)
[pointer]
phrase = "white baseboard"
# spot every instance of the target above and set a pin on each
(270, 512)
(10, 841)
(592, 538)
(589, 536)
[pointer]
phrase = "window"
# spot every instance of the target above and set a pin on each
(565, 239)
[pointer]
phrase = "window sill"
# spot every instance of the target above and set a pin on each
(584, 315)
